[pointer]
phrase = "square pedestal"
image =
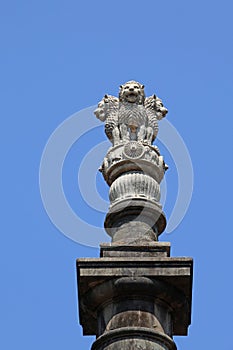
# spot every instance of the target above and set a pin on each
(97, 281)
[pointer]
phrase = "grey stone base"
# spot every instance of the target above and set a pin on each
(128, 279)
(133, 339)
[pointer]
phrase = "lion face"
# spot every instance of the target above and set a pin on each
(161, 110)
(132, 92)
(100, 112)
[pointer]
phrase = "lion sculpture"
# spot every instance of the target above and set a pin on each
(132, 116)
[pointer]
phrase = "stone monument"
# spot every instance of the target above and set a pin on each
(135, 296)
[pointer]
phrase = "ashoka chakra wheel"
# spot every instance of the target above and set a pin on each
(133, 149)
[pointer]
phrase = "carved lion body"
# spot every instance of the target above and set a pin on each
(132, 116)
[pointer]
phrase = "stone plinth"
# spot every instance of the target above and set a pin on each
(134, 297)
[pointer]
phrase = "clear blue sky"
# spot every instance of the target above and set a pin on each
(58, 57)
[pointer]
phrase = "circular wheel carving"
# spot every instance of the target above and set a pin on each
(133, 150)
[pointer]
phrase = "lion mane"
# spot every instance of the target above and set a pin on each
(132, 115)
(124, 91)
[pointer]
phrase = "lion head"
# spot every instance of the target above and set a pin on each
(108, 105)
(132, 92)
(155, 104)
(160, 109)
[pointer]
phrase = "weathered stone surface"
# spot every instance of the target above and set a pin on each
(122, 281)
(139, 312)
(135, 221)
(133, 156)
(133, 338)
(155, 249)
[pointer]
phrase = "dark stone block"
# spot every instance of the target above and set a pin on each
(111, 287)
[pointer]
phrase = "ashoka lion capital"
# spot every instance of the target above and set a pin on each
(133, 167)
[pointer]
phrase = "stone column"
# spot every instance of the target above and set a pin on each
(135, 296)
